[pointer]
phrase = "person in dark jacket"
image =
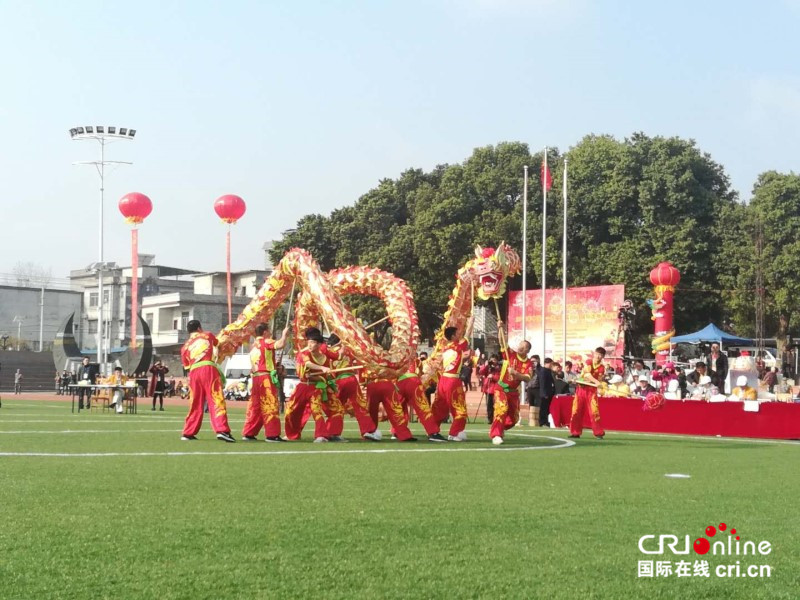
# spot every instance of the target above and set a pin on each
(547, 390)
(86, 372)
(717, 364)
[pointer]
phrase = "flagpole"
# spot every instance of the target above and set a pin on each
(564, 270)
(524, 250)
(544, 253)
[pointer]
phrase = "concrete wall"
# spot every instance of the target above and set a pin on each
(24, 302)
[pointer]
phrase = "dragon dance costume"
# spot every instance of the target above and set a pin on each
(412, 396)
(318, 392)
(586, 400)
(263, 405)
(506, 392)
(205, 385)
(450, 391)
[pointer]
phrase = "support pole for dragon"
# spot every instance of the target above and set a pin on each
(664, 279)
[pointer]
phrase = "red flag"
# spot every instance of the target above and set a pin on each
(547, 176)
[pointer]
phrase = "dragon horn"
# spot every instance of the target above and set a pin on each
(478, 251)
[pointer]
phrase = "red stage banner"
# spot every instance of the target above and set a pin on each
(591, 320)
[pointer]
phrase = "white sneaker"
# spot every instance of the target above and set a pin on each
(453, 438)
(462, 436)
(375, 436)
(320, 440)
(497, 440)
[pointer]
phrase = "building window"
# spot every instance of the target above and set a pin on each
(93, 327)
(106, 296)
(184, 319)
(175, 324)
(148, 318)
(93, 296)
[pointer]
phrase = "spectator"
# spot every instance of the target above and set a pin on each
(742, 391)
(532, 393)
(561, 385)
(546, 391)
(466, 374)
(490, 374)
(158, 384)
(643, 386)
(704, 390)
(58, 383)
(87, 375)
(673, 390)
(618, 387)
(717, 364)
(693, 378)
(637, 369)
(771, 379)
(18, 382)
(117, 394)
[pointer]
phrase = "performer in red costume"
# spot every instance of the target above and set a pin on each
(517, 367)
(384, 392)
(449, 391)
(263, 405)
(586, 396)
(349, 389)
(205, 385)
(412, 395)
(317, 390)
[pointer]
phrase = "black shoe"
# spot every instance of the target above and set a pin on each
(275, 438)
(575, 436)
(436, 437)
(225, 436)
(411, 439)
(249, 438)
(153, 408)
(162, 408)
(188, 438)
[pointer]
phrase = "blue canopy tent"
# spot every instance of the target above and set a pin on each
(711, 333)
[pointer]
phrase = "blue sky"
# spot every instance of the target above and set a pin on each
(301, 107)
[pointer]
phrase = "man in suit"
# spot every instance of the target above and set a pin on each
(717, 364)
(88, 373)
(547, 389)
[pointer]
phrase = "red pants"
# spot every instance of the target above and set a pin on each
(205, 386)
(585, 399)
(262, 409)
(385, 392)
(350, 391)
(307, 394)
(450, 398)
(413, 396)
(506, 411)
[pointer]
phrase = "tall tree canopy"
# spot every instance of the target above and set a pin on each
(632, 204)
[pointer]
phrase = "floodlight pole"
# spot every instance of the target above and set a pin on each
(102, 354)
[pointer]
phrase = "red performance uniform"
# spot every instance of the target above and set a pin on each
(263, 405)
(350, 390)
(450, 391)
(384, 391)
(586, 400)
(205, 385)
(317, 391)
(506, 392)
(412, 395)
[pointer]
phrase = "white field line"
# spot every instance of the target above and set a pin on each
(562, 443)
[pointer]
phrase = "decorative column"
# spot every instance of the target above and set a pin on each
(664, 279)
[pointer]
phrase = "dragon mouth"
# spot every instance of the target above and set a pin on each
(490, 283)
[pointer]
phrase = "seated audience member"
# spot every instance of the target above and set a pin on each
(643, 386)
(742, 391)
(704, 389)
(693, 378)
(562, 387)
(616, 387)
(771, 379)
(673, 391)
(117, 394)
(638, 369)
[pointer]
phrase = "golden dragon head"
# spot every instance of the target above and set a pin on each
(490, 269)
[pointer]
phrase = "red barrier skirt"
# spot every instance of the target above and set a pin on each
(774, 420)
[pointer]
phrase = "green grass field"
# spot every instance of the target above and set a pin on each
(144, 515)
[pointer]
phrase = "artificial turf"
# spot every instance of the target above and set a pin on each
(301, 520)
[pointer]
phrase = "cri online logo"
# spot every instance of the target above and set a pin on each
(723, 545)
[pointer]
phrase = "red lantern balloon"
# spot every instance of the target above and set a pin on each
(230, 208)
(135, 207)
(665, 274)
